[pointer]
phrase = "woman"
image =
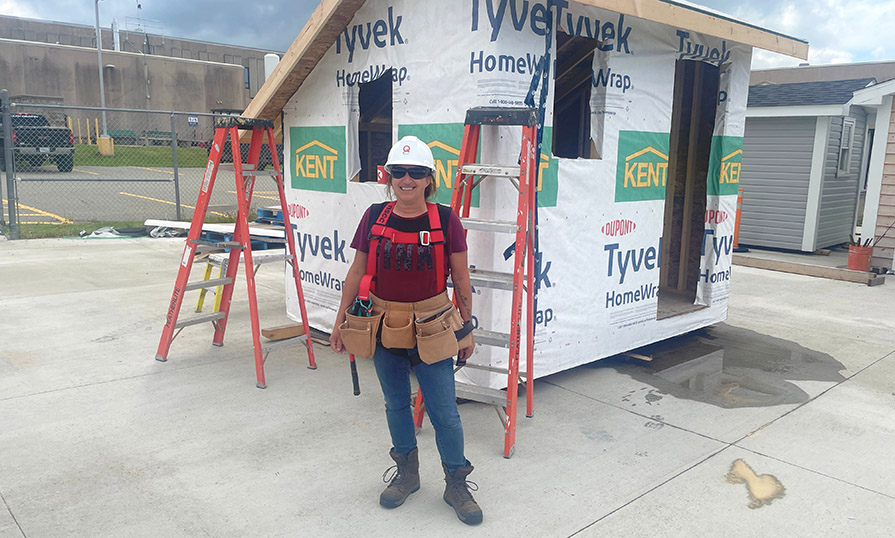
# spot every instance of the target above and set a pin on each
(405, 251)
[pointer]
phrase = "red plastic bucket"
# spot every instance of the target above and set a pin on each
(859, 258)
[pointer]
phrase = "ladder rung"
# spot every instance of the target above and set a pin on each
(210, 283)
(485, 395)
(195, 320)
(500, 226)
(258, 257)
(217, 244)
(280, 344)
(491, 338)
(497, 170)
(491, 279)
(493, 369)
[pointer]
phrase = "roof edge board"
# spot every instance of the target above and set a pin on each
(330, 18)
(793, 111)
(705, 22)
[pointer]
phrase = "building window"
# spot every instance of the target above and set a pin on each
(845, 146)
(574, 81)
(245, 77)
(374, 124)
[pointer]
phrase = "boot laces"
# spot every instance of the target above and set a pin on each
(393, 475)
(461, 489)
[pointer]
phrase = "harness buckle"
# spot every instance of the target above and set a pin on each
(425, 238)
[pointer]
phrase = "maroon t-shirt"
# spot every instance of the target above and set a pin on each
(406, 272)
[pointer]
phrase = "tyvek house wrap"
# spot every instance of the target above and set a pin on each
(599, 235)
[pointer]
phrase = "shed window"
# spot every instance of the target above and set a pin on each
(845, 145)
(572, 101)
(375, 124)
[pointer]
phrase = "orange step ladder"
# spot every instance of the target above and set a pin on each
(262, 133)
(520, 282)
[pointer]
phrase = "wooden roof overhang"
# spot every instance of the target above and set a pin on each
(333, 16)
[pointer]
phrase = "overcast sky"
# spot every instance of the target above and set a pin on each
(838, 31)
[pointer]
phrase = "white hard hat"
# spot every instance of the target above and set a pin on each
(410, 151)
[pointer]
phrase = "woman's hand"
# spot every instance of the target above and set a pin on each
(466, 352)
(335, 340)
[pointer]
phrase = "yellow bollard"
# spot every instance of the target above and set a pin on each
(79, 132)
(96, 129)
(88, 130)
(69, 122)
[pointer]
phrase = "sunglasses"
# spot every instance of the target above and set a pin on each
(398, 172)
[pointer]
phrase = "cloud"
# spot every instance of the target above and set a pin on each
(838, 31)
(16, 8)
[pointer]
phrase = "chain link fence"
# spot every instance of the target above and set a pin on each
(61, 169)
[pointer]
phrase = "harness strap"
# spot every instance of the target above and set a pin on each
(435, 226)
(434, 236)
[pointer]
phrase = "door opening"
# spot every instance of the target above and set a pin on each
(696, 86)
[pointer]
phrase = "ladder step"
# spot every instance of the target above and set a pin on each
(499, 226)
(491, 338)
(497, 170)
(210, 283)
(218, 244)
(287, 342)
(485, 395)
(258, 257)
(491, 279)
(195, 320)
(493, 369)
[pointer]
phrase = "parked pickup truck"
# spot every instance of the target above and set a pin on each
(35, 141)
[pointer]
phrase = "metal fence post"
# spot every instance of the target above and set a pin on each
(176, 174)
(9, 159)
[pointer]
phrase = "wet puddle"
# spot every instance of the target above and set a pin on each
(728, 367)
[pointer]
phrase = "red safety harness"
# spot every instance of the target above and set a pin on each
(433, 236)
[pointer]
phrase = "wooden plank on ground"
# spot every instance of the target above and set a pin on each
(834, 273)
(283, 331)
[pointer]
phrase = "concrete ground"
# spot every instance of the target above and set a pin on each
(779, 422)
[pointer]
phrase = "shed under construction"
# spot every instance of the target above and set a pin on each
(639, 165)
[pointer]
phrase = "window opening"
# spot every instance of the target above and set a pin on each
(574, 76)
(375, 124)
(845, 145)
(245, 77)
(696, 86)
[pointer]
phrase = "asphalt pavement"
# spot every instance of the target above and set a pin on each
(778, 422)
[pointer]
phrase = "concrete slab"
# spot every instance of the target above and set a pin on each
(847, 433)
(703, 502)
(99, 439)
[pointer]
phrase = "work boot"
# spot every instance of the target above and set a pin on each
(404, 479)
(456, 494)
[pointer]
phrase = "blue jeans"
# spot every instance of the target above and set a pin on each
(437, 383)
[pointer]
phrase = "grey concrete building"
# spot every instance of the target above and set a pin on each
(45, 59)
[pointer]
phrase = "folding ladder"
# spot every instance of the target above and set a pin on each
(520, 282)
(262, 133)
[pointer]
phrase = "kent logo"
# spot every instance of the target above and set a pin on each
(725, 160)
(642, 166)
(318, 161)
(380, 34)
(537, 16)
(445, 139)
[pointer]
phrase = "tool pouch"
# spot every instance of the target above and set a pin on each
(397, 327)
(359, 333)
(435, 338)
